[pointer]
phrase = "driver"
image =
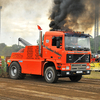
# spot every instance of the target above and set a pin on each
(60, 42)
(74, 41)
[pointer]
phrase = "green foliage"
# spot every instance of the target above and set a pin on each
(7, 50)
(2, 45)
(3, 67)
(92, 42)
(92, 45)
(3, 63)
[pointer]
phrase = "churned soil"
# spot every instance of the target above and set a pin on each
(35, 88)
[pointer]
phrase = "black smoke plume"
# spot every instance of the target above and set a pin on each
(73, 14)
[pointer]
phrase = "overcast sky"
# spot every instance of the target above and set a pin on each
(19, 18)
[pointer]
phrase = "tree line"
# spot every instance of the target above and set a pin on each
(95, 44)
(7, 50)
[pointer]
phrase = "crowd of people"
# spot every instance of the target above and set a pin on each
(95, 58)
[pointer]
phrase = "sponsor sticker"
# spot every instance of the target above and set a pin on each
(47, 41)
(20, 61)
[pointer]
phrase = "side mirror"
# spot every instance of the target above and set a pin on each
(58, 42)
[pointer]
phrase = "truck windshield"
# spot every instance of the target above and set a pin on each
(77, 43)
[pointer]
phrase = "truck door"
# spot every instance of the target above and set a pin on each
(56, 54)
(47, 44)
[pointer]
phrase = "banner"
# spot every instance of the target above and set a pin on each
(95, 66)
(2, 57)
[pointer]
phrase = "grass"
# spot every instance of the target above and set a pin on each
(93, 75)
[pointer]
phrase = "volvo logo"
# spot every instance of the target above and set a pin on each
(79, 58)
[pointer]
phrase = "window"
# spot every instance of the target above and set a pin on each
(54, 41)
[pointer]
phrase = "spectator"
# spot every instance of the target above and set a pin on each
(92, 59)
(97, 59)
(74, 42)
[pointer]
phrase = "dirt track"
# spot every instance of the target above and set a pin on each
(35, 88)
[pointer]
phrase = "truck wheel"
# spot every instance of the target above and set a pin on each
(15, 71)
(75, 78)
(50, 75)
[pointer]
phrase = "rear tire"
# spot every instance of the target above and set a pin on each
(50, 75)
(15, 71)
(75, 78)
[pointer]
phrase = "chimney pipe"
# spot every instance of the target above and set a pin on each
(40, 42)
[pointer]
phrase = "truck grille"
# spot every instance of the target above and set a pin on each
(75, 67)
(77, 58)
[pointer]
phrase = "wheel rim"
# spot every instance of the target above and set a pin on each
(49, 75)
(13, 70)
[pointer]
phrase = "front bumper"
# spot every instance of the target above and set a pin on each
(72, 73)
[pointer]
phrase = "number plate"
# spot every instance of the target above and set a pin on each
(79, 71)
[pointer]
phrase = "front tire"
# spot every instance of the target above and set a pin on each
(75, 78)
(15, 71)
(50, 75)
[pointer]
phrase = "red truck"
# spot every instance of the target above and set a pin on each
(63, 54)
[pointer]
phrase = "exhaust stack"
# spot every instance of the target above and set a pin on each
(40, 40)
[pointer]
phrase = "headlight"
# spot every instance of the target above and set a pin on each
(67, 67)
(67, 73)
(87, 67)
(88, 72)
